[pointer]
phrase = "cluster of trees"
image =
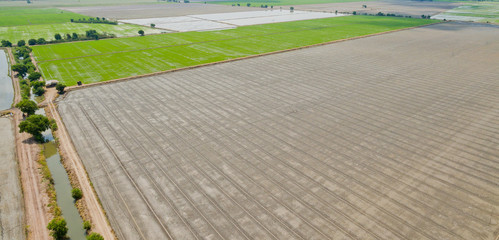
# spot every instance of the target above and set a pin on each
(94, 20)
(58, 38)
(6, 43)
(382, 14)
(425, 16)
(26, 71)
(59, 229)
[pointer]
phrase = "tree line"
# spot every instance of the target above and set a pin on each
(60, 38)
(95, 20)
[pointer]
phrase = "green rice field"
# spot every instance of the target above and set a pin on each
(20, 16)
(47, 31)
(257, 3)
(95, 61)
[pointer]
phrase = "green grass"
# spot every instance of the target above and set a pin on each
(47, 31)
(95, 61)
(19, 16)
(257, 3)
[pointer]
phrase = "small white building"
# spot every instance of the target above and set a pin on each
(51, 83)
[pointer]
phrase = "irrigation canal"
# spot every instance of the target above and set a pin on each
(62, 186)
(6, 88)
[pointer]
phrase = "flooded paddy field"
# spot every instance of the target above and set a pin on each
(11, 197)
(388, 137)
(153, 10)
(216, 21)
(6, 88)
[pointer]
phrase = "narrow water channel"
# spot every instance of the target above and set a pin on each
(62, 187)
(6, 88)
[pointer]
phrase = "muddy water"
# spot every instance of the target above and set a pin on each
(62, 187)
(6, 89)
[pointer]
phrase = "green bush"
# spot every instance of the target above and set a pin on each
(87, 225)
(34, 76)
(95, 236)
(76, 193)
(39, 91)
(58, 228)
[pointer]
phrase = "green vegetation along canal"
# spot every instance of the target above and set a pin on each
(62, 187)
(6, 89)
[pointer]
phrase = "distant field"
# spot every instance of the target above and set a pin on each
(17, 16)
(58, 3)
(47, 31)
(96, 61)
(477, 12)
(281, 2)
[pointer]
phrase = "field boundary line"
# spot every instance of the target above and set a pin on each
(72, 88)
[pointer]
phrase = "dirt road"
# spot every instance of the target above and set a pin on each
(91, 203)
(35, 198)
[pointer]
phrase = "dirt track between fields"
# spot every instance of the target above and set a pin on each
(35, 197)
(389, 137)
(75, 168)
(27, 150)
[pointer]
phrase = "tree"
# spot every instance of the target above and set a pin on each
(68, 36)
(153, 25)
(57, 36)
(27, 106)
(74, 36)
(248, 4)
(291, 9)
(32, 42)
(35, 76)
(35, 125)
(60, 87)
(87, 226)
(21, 43)
(141, 32)
(20, 68)
(72, 20)
(76, 193)
(38, 91)
(58, 228)
(354, 13)
(6, 43)
(95, 236)
(41, 41)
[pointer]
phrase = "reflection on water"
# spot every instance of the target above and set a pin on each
(62, 187)
(6, 89)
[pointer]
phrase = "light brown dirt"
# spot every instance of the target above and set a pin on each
(35, 197)
(402, 7)
(27, 151)
(389, 137)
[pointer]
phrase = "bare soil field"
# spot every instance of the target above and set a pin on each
(394, 136)
(404, 7)
(154, 10)
(11, 197)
